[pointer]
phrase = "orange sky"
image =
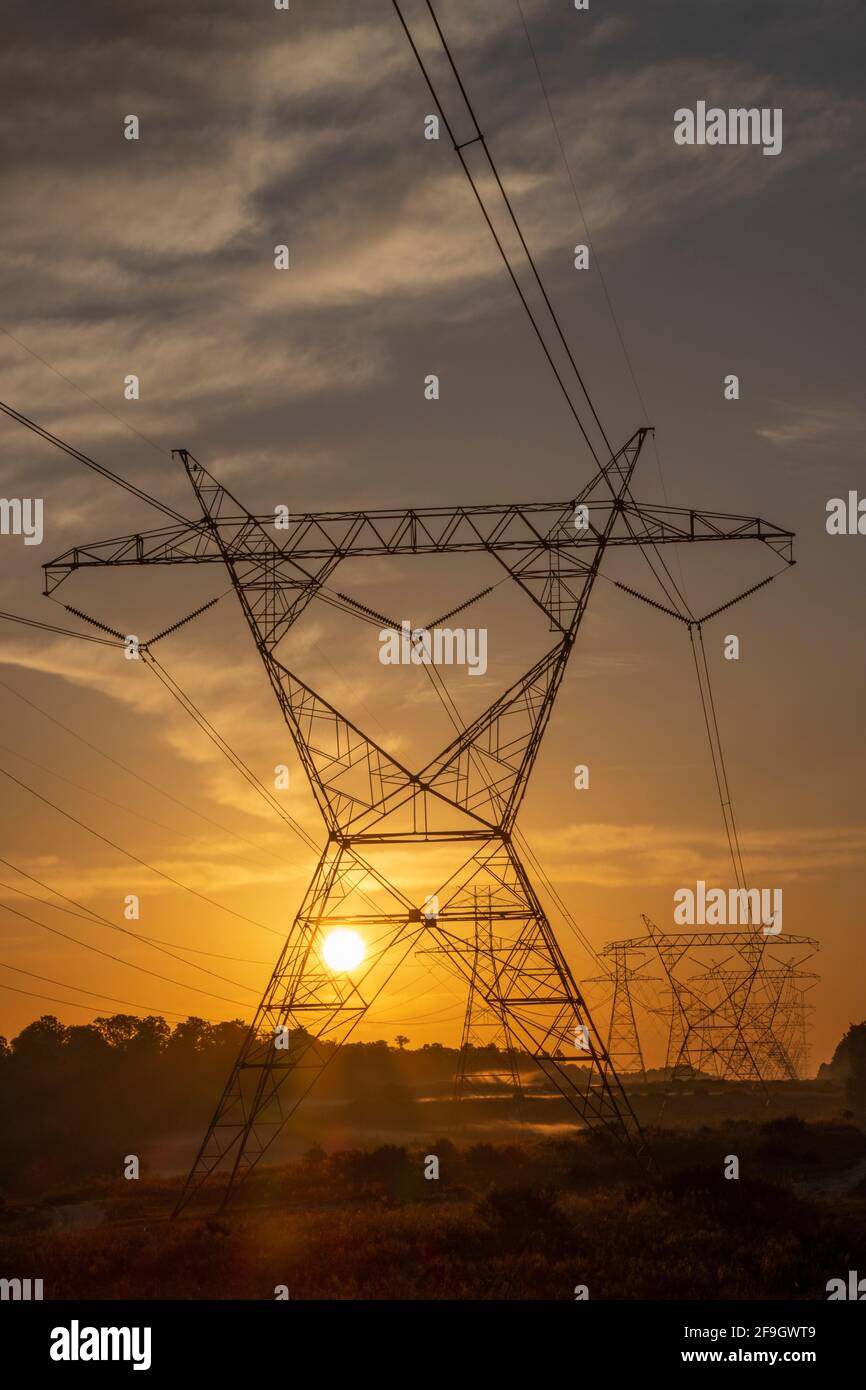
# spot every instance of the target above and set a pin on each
(307, 390)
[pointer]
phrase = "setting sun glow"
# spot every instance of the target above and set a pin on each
(343, 950)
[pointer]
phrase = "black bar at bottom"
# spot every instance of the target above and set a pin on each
(415, 1339)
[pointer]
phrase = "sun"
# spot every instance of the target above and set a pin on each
(343, 950)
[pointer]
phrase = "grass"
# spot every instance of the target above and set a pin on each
(524, 1220)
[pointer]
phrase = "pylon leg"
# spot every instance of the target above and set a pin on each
(307, 1012)
(526, 981)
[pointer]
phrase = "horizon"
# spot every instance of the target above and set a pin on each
(307, 390)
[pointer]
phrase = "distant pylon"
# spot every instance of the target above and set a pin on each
(741, 1016)
(623, 1037)
(486, 1045)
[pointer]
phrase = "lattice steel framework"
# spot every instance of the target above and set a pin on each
(623, 1034)
(736, 1004)
(470, 792)
(488, 1051)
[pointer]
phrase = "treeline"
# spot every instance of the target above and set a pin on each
(75, 1097)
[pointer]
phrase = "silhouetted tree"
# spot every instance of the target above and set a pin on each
(40, 1041)
(851, 1058)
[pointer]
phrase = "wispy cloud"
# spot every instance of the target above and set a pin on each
(619, 856)
(800, 424)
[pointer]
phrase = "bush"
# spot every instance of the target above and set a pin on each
(520, 1216)
(786, 1140)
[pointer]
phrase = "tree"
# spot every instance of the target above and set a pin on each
(86, 1044)
(849, 1062)
(42, 1039)
(401, 1041)
(128, 1033)
(855, 1087)
(231, 1034)
(189, 1037)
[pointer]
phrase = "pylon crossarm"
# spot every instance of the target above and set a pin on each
(664, 525)
(525, 528)
(707, 937)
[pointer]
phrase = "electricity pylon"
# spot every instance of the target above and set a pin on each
(741, 1016)
(768, 1005)
(623, 1036)
(468, 794)
(486, 1043)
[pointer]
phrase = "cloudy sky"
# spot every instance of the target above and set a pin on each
(155, 257)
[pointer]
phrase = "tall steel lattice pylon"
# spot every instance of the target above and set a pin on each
(623, 1036)
(488, 1052)
(740, 1012)
(467, 795)
(486, 1030)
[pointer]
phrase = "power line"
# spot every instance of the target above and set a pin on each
(88, 791)
(88, 914)
(73, 1004)
(188, 704)
(96, 994)
(519, 231)
(64, 631)
(119, 960)
(237, 762)
(215, 955)
(524, 301)
(716, 751)
(602, 280)
(130, 771)
(80, 389)
(560, 332)
(701, 666)
(135, 858)
(596, 262)
(52, 999)
(97, 467)
(595, 259)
